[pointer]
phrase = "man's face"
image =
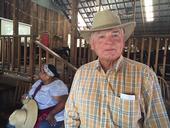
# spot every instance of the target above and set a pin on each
(108, 44)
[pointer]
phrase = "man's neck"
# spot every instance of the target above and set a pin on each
(106, 64)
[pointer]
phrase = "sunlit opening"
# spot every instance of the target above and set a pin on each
(81, 24)
(148, 4)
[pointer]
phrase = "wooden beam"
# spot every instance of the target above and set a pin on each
(15, 18)
(2, 5)
(34, 13)
(149, 51)
(142, 50)
(157, 54)
(164, 57)
(74, 10)
(15, 32)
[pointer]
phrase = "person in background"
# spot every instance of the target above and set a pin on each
(50, 93)
(114, 91)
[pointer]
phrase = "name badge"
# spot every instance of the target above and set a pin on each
(127, 97)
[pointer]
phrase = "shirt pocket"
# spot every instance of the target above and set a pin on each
(126, 113)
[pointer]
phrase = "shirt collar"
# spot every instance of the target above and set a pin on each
(115, 67)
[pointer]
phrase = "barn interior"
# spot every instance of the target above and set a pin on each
(34, 32)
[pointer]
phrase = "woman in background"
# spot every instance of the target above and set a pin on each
(50, 93)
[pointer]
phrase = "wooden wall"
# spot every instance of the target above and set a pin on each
(151, 50)
(41, 19)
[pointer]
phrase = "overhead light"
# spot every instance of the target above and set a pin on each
(148, 5)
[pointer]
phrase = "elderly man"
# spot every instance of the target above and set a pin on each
(114, 91)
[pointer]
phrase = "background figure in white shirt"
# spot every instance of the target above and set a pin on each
(50, 93)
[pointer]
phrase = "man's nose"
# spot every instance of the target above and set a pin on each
(109, 37)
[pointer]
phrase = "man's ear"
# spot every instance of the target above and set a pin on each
(92, 43)
(123, 34)
(92, 46)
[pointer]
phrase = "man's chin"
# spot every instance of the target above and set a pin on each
(110, 58)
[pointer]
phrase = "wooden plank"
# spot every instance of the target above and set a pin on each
(49, 28)
(142, 50)
(74, 10)
(80, 55)
(2, 9)
(25, 53)
(31, 59)
(58, 28)
(61, 32)
(157, 54)
(19, 53)
(12, 56)
(8, 50)
(15, 28)
(149, 51)
(5, 49)
(84, 53)
(164, 57)
(65, 33)
(135, 46)
(3, 43)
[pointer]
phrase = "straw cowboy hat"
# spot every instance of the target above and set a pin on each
(26, 116)
(105, 20)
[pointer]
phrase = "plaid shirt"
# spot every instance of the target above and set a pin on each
(95, 99)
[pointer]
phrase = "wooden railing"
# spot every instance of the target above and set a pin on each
(14, 53)
(152, 50)
(46, 55)
(23, 56)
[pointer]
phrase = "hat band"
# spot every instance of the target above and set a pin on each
(48, 71)
(105, 26)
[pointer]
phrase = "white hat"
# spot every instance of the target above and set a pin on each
(105, 20)
(26, 116)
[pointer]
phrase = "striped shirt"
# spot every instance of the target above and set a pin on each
(96, 100)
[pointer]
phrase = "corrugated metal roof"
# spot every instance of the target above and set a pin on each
(128, 10)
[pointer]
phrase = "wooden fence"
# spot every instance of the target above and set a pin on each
(23, 56)
(153, 51)
(150, 50)
(26, 56)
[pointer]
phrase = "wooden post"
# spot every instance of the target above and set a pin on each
(149, 51)
(31, 44)
(74, 10)
(19, 53)
(80, 51)
(164, 57)
(135, 51)
(15, 33)
(2, 3)
(157, 53)
(142, 49)
(25, 54)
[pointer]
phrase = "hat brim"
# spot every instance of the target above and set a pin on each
(32, 113)
(32, 110)
(128, 30)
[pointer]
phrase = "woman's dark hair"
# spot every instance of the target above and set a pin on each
(53, 69)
